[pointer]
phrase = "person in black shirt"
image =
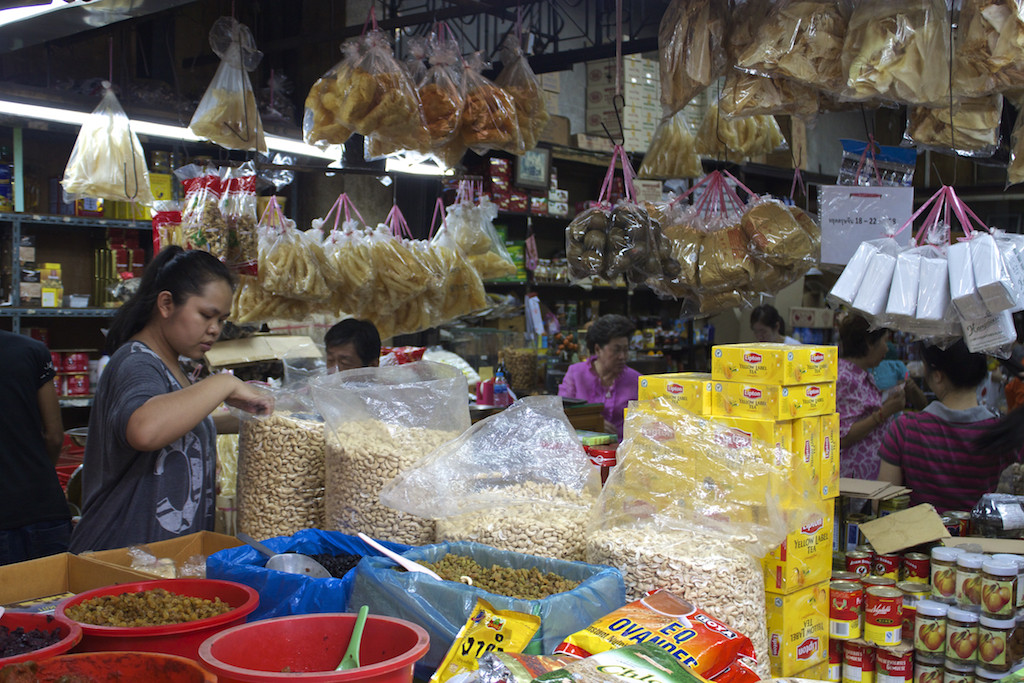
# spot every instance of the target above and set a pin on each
(34, 516)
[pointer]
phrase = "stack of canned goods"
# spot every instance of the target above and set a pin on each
(965, 625)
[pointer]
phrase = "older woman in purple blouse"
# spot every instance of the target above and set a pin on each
(604, 377)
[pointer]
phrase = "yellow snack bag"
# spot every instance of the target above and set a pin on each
(486, 630)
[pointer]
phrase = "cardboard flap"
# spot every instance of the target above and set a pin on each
(256, 350)
(904, 529)
(870, 489)
(992, 546)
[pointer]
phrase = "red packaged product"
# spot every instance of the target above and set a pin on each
(76, 384)
(739, 671)
(74, 362)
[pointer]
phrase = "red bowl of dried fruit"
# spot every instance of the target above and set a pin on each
(172, 616)
(28, 636)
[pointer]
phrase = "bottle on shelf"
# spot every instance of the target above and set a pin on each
(6, 180)
(501, 396)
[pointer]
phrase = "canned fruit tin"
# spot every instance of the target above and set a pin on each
(956, 672)
(880, 581)
(845, 601)
(858, 562)
(968, 579)
(835, 661)
(858, 663)
(963, 522)
(915, 568)
(891, 667)
(883, 615)
(845, 576)
(887, 566)
(912, 594)
(998, 587)
(943, 571)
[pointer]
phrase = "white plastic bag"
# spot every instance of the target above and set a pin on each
(874, 290)
(906, 280)
(991, 275)
(933, 287)
(963, 291)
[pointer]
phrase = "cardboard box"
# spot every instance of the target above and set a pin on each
(557, 130)
(37, 585)
(31, 293)
(551, 82)
(592, 143)
(51, 296)
(777, 433)
(180, 550)
(811, 317)
(805, 557)
(904, 529)
(772, 402)
(691, 390)
(550, 103)
(798, 630)
(647, 190)
(828, 471)
(774, 363)
(257, 349)
(807, 447)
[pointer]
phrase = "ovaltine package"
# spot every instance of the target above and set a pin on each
(690, 390)
(771, 402)
(692, 636)
(774, 363)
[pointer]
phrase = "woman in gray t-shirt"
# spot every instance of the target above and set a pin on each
(150, 460)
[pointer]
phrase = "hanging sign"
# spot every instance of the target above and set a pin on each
(851, 214)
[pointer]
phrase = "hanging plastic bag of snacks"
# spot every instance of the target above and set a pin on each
(672, 152)
(107, 160)
(291, 263)
(691, 47)
(775, 236)
(238, 209)
(346, 249)
(683, 235)
(971, 129)
(471, 222)
(202, 223)
(490, 119)
(442, 91)
(253, 304)
(227, 115)
(738, 139)
(988, 47)
(519, 80)
(748, 94)
(464, 293)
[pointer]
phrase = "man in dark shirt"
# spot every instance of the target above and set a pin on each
(34, 516)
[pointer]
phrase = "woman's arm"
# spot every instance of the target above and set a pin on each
(568, 386)
(166, 418)
(890, 473)
(860, 429)
(53, 425)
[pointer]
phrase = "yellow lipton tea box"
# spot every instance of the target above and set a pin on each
(828, 470)
(798, 629)
(690, 390)
(772, 402)
(805, 557)
(774, 363)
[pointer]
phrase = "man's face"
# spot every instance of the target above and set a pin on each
(343, 357)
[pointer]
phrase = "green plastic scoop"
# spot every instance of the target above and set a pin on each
(351, 658)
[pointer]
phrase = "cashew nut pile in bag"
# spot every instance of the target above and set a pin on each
(107, 160)
(381, 422)
(691, 47)
(228, 115)
(672, 152)
(291, 263)
(518, 79)
(988, 47)
(741, 498)
(736, 139)
(516, 481)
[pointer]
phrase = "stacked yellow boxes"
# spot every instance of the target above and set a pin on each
(785, 394)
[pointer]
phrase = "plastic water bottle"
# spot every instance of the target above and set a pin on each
(501, 395)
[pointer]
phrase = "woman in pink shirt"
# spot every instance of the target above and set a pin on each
(604, 377)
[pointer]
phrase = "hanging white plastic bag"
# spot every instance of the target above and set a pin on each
(992, 336)
(963, 290)
(991, 275)
(933, 287)
(848, 285)
(107, 160)
(227, 115)
(906, 280)
(874, 290)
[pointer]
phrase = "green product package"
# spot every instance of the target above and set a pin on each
(641, 662)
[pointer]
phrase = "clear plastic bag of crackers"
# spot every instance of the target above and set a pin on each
(490, 120)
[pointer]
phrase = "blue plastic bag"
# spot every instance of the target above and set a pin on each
(283, 594)
(442, 607)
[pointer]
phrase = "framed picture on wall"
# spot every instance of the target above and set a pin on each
(533, 169)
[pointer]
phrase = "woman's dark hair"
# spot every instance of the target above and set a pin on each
(182, 273)
(606, 328)
(964, 369)
(768, 315)
(856, 335)
(361, 333)
(1005, 436)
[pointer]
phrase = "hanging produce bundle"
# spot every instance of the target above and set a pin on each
(898, 50)
(691, 47)
(519, 80)
(490, 119)
(936, 289)
(107, 160)
(801, 40)
(748, 94)
(971, 131)
(672, 152)
(228, 115)
(988, 47)
(738, 139)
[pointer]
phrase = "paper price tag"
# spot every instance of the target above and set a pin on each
(852, 214)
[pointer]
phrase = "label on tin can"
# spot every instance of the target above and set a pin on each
(916, 568)
(943, 581)
(992, 649)
(893, 668)
(883, 616)
(835, 661)
(858, 562)
(845, 601)
(887, 566)
(930, 634)
(963, 522)
(858, 663)
(928, 670)
(998, 595)
(961, 641)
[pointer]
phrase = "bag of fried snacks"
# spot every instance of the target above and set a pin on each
(489, 119)
(774, 235)
(519, 80)
(971, 131)
(228, 115)
(415, 62)
(322, 124)
(347, 251)
(442, 92)
(202, 223)
(898, 50)
(107, 160)
(464, 291)
(672, 152)
(399, 276)
(291, 263)
(802, 41)
(472, 225)
(737, 139)
(691, 47)
(253, 304)
(988, 47)
(238, 209)
(748, 94)
(748, 17)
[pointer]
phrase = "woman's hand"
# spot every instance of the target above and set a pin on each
(896, 402)
(250, 399)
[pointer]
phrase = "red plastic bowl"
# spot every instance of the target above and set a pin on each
(70, 632)
(310, 646)
(173, 639)
(122, 667)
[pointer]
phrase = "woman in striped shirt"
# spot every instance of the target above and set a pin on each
(933, 451)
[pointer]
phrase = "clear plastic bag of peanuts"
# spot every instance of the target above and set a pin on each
(238, 209)
(489, 120)
(291, 263)
(519, 80)
(228, 114)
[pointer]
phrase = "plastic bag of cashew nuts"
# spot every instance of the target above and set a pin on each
(517, 480)
(381, 422)
(740, 498)
(280, 470)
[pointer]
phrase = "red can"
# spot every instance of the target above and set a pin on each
(858, 663)
(887, 566)
(893, 668)
(76, 384)
(846, 576)
(963, 521)
(916, 568)
(835, 660)
(845, 601)
(858, 562)
(883, 615)
(75, 362)
(57, 359)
